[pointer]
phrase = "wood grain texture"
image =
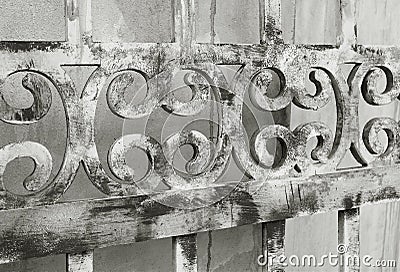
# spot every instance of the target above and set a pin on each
(82, 262)
(349, 239)
(315, 236)
(377, 22)
(349, 25)
(272, 21)
(379, 236)
(224, 21)
(273, 244)
(132, 21)
(85, 225)
(288, 19)
(317, 22)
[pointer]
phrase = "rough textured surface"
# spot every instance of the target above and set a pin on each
(132, 21)
(305, 178)
(26, 20)
(228, 21)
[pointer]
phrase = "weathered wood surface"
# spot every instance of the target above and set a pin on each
(81, 262)
(315, 236)
(184, 252)
(224, 21)
(317, 22)
(349, 239)
(84, 225)
(266, 197)
(379, 236)
(297, 185)
(273, 246)
(233, 249)
(377, 22)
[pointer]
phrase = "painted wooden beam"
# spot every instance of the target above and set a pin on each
(85, 225)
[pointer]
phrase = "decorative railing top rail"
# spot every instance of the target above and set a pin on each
(80, 89)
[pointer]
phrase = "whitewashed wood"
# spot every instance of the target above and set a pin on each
(288, 20)
(317, 22)
(379, 234)
(349, 25)
(85, 225)
(378, 22)
(272, 21)
(82, 262)
(315, 235)
(349, 239)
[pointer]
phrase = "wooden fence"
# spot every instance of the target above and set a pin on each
(341, 49)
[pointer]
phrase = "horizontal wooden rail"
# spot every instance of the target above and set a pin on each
(81, 226)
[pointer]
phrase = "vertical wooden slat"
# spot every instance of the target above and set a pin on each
(79, 26)
(184, 253)
(380, 236)
(317, 22)
(349, 239)
(311, 236)
(185, 27)
(273, 237)
(288, 20)
(349, 25)
(272, 21)
(80, 262)
(378, 22)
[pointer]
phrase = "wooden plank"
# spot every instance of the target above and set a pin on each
(349, 239)
(272, 21)
(184, 254)
(349, 25)
(273, 237)
(185, 27)
(85, 225)
(82, 262)
(224, 21)
(153, 255)
(378, 21)
(317, 22)
(132, 21)
(379, 237)
(288, 20)
(233, 249)
(309, 238)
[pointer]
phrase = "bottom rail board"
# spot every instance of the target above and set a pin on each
(81, 226)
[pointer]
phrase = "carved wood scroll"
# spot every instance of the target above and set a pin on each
(80, 88)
